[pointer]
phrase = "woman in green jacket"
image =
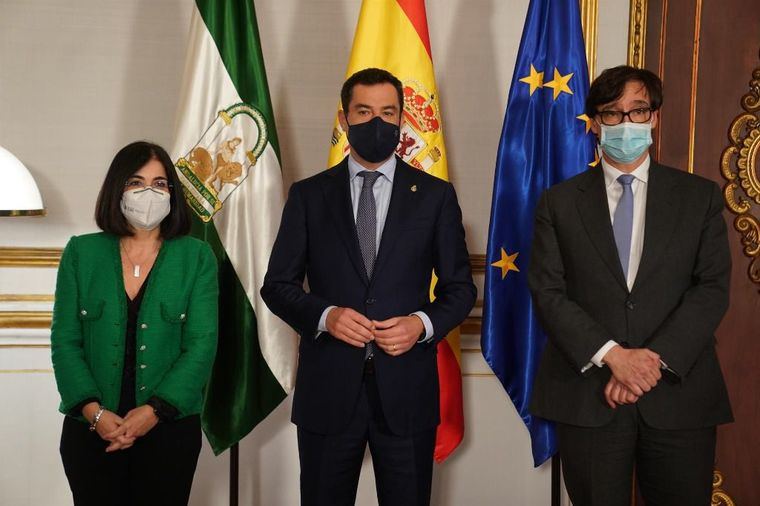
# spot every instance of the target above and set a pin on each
(133, 339)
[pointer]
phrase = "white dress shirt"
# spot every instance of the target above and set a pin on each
(382, 190)
(614, 192)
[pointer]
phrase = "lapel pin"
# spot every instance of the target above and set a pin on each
(413, 188)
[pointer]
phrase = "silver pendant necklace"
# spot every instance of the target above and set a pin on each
(135, 267)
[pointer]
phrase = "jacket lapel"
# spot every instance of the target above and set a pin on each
(595, 215)
(338, 199)
(397, 210)
(660, 221)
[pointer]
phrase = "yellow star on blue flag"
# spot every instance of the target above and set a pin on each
(506, 263)
(535, 79)
(586, 120)
(560, 83)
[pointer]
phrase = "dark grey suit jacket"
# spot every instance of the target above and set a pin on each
(678, 299)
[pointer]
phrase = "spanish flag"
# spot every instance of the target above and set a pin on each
(393, 35)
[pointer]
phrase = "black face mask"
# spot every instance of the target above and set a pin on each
(374, 140)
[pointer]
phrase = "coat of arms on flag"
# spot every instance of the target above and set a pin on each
(222, 158)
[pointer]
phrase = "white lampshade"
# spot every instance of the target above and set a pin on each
(19, 195)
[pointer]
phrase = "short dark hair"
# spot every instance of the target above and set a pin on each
(610, 84)
(368, 77)
(125, 164)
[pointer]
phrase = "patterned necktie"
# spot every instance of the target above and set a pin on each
(366, 229)
(366, 221)
(622, 224)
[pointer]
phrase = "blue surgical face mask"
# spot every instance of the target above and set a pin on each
(625, 142)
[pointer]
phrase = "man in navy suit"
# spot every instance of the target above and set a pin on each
(367, 234)
(629, 273)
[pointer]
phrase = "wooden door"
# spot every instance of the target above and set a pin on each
(706, 51)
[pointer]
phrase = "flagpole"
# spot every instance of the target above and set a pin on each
(234, 473)
(556, 472)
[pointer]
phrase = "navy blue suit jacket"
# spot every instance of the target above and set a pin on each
(317, 240)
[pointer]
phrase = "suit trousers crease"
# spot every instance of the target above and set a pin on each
(672, 467)
(157, 470)
(331, 464)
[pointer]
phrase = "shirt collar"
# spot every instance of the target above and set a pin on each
(611, 173)
(387, 169)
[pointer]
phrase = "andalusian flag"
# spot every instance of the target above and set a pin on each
(227, 158)
(393, 35)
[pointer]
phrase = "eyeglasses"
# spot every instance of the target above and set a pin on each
(139, 184)
(638, 115)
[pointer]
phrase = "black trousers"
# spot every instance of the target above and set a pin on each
(157, 470)
(330, 464)
(673, 467)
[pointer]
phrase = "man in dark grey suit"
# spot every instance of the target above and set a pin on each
(629, 273)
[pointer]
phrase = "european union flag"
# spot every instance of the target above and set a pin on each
(545, 139)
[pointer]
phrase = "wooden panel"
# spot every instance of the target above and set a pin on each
(705, 92)
(729, 53)
(674, 117)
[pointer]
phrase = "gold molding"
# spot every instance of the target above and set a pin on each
(471, 326)
(21, 345)
(661, 68)
(25, 319)
(23, 212)
(26, 297)
(694, 79)
(637, 32)
(719, 496)
(740, 166)
(30, 257)
(25, 371)
(589, 22)
(478, 264)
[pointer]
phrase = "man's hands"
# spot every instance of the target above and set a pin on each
(616, 393)
(350, 326)
(395, 336)
(634, 372)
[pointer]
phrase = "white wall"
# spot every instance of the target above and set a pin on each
(81, 78)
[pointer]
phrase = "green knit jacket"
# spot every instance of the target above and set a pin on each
(176, 326)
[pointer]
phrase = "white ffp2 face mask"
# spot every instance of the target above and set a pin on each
(145, 208)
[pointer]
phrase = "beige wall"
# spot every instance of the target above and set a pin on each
(81, 78)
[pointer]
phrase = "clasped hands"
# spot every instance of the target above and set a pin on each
(634, 372)
(395, 336)
(121, 432)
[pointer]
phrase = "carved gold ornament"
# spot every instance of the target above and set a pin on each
(637, 32)
(740, 167)
(719, 496)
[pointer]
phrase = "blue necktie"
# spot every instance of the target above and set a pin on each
(622, 224)
(366, 229)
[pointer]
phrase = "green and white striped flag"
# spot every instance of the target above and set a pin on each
(227, 157)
